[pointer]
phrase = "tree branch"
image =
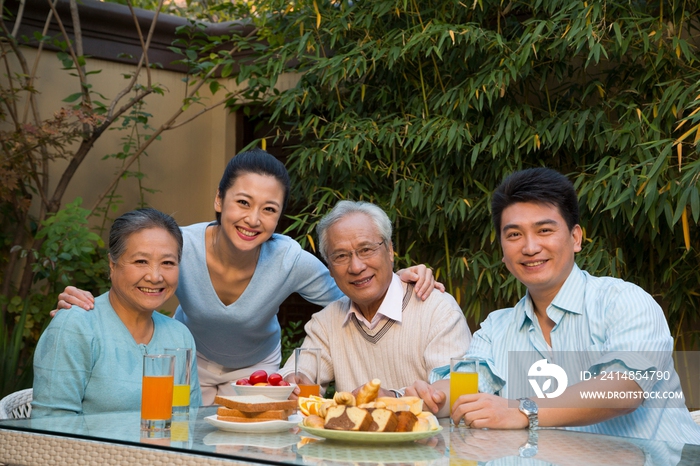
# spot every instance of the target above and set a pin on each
(18, 20)
(201, 112)
(144, 57)
(77, 30)
(32, 75)
(81, 75)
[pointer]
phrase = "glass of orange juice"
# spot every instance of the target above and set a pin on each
(181, 379)
(306, 367)
(157, 391)
(464, 377)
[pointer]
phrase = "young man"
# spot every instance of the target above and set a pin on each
(607, 336)
(380, 330)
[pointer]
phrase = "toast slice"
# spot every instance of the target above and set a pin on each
(254, 403)
(244, 419)
(405, 403)
(272, 415)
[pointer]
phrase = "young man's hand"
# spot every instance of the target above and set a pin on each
(480, 410)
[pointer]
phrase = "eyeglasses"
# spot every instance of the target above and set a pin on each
(363, 253)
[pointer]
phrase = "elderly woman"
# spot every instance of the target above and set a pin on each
(88, 362)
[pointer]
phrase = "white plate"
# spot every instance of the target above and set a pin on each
(266, 426)
(369, 437)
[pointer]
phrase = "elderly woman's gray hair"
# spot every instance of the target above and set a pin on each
(342, 209)
(137, 220)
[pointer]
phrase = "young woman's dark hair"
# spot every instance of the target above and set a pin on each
(540, 186)
(137, 220)
(254, 161)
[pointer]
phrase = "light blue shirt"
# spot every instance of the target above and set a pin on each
(88, 362)
(247, 331)
(601, 324)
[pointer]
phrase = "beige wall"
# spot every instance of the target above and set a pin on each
(184, 166)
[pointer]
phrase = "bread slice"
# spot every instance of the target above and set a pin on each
(405, 403)
(275, 414)
(406, 421)
(254, 403)
(430, 417)
(347, 418)
(243, 419)
(383, 420)
(421, 425)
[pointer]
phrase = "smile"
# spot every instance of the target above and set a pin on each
(247, 233)
(533, 264)
(150, 290)
(361, 282)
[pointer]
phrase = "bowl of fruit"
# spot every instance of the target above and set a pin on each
(259, 383)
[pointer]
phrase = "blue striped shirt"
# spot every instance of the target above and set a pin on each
(611, 324)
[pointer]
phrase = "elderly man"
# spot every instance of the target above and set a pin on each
(379, 330)
(605, 341)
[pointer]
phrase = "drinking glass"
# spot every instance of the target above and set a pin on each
(157, 391)
(464, 377)
(307, 363)
(181, 380)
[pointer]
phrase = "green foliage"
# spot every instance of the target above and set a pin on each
(16, 364)
(292, 337)
(423, 107)
(69, 255)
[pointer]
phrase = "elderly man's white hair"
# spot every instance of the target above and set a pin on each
(343, 208)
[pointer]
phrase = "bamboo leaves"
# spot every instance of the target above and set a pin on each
(423, 107)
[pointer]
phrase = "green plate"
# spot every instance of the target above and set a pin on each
(369, 437)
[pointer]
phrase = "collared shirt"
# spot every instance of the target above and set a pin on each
(391, 307)
(608, 325)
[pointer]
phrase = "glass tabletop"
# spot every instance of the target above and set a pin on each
(456, 446)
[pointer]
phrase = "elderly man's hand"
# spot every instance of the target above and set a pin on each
(423, 280)
(382, 392)
(73, 296)
(293, 379)
(433, 398)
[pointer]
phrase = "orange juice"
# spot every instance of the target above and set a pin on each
(308, 390)
(157, 397)
(462, 383)
(181, 395)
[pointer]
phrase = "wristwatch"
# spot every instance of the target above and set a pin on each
(529, 409)
(529, 448)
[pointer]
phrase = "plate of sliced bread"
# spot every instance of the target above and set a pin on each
(257, 413)
(369, 418)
